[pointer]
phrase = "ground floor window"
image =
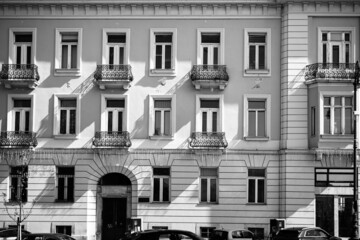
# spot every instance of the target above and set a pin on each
(206, 231)
(63, 229)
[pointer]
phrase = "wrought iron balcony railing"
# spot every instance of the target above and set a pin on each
(19, 75)
(112, 139)
(209, 72)
(18, 139)
(208, 140)
(330, 71)
(112, 72)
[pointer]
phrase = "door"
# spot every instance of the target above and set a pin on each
(113, 218)
(325, 213)
(345, 211)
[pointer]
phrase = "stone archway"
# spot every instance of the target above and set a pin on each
(113, 206)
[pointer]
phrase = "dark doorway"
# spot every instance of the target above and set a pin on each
(113, 218)
(345, 220)
(325, 213)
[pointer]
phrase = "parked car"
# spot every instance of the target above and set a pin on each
(230, 234)
(301, 233)
(10, 233)
(46, 236)
(162, 234)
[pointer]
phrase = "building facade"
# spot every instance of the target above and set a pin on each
(121, 115)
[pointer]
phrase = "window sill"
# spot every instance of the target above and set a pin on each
(255, 204)
(61, 72)
(163, 138)
(251, 72)
(262, 139)
(66, 136)
(162, 72)
(63, 201)
(337, 136)
(208, 203)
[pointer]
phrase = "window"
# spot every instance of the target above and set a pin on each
(163, 52)
(18, 183)
(336, 45)
(209, 113)
(113, 113)
(63, 229)
(20, 113)
(208, 185)
(162, 116)
(65, 184)
(67, 115)
(211, 46)
(334, 177)
(257, 117)
(257, 51)
(205, 232)
(22, 45)
(313, 121)
(256, 185)
(161, 184)
(115, 46)
(337, 115)
(68, 52)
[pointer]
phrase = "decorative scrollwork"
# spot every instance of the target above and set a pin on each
(338, 71)
(112, 139)
(19, 72)
(208, 140)
(209, 72)
(18, 139)
(112, 72)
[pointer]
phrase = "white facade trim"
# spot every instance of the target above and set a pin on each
(198, 116)
(10, 107)
(104, 97)
(106, 31)
(12, 32)
(222, 43)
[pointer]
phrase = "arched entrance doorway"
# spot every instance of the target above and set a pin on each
(113, 205)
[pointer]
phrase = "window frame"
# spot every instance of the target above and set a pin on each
(65, 185)
(256, 178)
(208, 190)
(59, 71)
(12, 45)
(256, 72)
(352, 31)
(199, 53)
(198, 117)
(18, 184)
(152, 109)
(106, 32)
(56, 125)
(267, 99)
(206, 231)
(161, 188)
(332, 94)
(103, 120)
(10, 112)
(152, 61)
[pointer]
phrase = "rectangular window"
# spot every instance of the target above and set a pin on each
(210, 45)
(69, 50)
(257, 45)
(163, 46)
(210, 113)
(18, 183)
(65, 184)
(337, 115)
(23, 47)
(63, 229)
(256, 118)
(336, 47)
(21, 115)
(208, 185)
(334, 177)
(67, 111)
(116, 44)
(205, 232)
(161, 184)
(256, 185)
(162, 110)
(114, 113)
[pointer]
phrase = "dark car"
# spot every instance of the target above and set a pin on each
(162, 234)
(10, 233)
(303, 233)
(46, 236)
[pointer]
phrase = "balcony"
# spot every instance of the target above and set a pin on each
(329, 72)
(112, 139)
(15, 139)
(113, 76)
(209, 76)
(19, 75)
(208, 140)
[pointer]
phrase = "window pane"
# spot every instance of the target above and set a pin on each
(116, 38)
(338, 101)
(257, 38)
(203, 197)
(261, 124)
(167, 123)
(261, 190)
(17, 121)
(205, 55)
(208, 172)
(261, 57)
(66, 171)
(157, 123)
(327, 121)
(69, 37)
(63, 117)
(256, 172)
(336, 36)
(209, 103)
(327, 101)
(64, 56)
(120, 121)
(257, 104)
(18, 55)
(67, 103)
(216, 56)
(73, 56)
(252, 61)
(158, 58)
(70, 189)
(213, 190)
(166, 189)
(163, 38)
(28, 55)
(14, 188)
(72, 121)
(251, 124)
(162, 103)
(214, 122)
(337, 121)
(324, 53)
(251, 190)
(156, 194)
(121, 55)
(204, 122)
(210, 38)
(324, 36)
(110, 121)
(162, 171)
(61, 188)
(27, 121)
(348, 120)
(167, 57)
(115, 103)
(23, 37)
(111, 55)
(22, 103)
(336, 54)
(348, 101)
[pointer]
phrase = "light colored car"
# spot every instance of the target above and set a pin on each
(231, 234)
